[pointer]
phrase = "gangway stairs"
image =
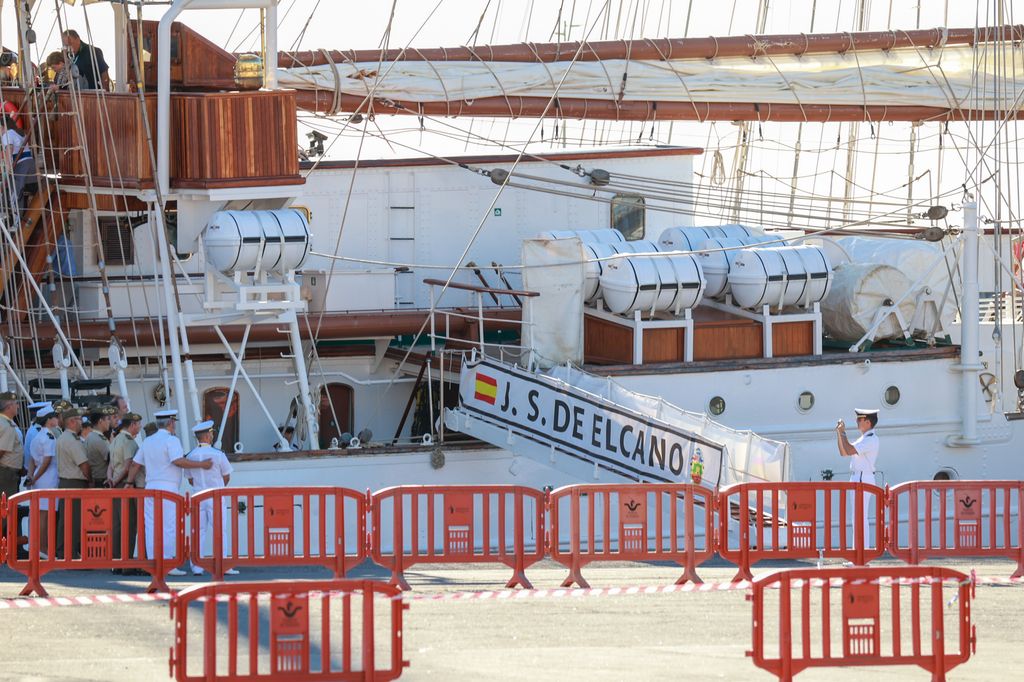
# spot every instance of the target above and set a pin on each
(591, 428)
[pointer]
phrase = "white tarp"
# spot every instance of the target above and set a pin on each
(858, 292)
(597, 421)
(957, 76)
(553, 321)
(921, 263)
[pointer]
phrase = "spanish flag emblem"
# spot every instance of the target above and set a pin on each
(486, 388)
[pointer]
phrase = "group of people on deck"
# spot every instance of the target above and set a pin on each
(67, 448)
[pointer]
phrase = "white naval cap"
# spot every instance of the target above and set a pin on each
(38, 406)
(166, 414)
(45, 411)
(865, 412)
(203, 426)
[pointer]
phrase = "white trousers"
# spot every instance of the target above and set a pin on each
(169, 520)
(206, 529)
(863, 477)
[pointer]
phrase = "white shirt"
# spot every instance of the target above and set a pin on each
(42, 447)
(30, 436)
(157, 454)
(867, 453)
(204, 479)
(13, 142)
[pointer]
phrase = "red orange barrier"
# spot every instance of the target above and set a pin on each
(307, 526)
(296, 618)
(845, 627)
(631, 522)
(458, 524)
(931, 519)
(95, 545)
(799, 520)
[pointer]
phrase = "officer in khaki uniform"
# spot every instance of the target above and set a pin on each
(122, 451)
(97, 447)
(11, 450)
(73, 472)
(12, 455)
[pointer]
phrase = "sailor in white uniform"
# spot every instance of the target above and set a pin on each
(35, 409)
(863, 453)
(216, 476)
(164, 459)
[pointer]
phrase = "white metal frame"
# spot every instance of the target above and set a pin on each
(639, 325)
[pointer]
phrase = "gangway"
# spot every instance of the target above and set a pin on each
(589, 427)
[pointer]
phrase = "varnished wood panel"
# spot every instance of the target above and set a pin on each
(606, 343)
(792, 338)
(663, 345)
(232, 139)
(227, 139)
(723, 340)
(196, 64)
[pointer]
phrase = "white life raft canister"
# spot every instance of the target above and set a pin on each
(779, 276)
(666, 282)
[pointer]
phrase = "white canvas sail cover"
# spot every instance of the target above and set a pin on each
(553, 321)
(947, 77)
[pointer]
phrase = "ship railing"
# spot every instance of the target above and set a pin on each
(479, 320)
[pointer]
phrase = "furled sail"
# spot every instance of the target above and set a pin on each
(927, 75)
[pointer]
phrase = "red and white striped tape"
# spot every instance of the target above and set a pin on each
(506, 595)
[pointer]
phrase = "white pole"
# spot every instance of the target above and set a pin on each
(163, 253)
(5, 360)
(231, 389)
(304, 393)
(969, 327)
(252, 387)
(270, 58)
(121, 57)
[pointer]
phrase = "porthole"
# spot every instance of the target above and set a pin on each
(891, 396)
(805, 401)
(945, 474)
(716, 405)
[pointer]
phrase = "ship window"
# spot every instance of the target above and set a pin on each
(716, 405)
(628, 215)
(116, 240)
(215, 401)
(892, 395)
(805, 401)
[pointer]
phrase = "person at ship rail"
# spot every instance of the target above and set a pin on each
(22, 163)
(216, 476)
(863, 453)
(165, 461)
(88, 60)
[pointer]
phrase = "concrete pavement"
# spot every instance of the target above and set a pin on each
(698, 636)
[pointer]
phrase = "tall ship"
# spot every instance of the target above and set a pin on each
(512, 262)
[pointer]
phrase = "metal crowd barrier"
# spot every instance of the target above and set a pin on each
(458, 524)
(799, 520)
(288, 526)
(288, 630)
(76, 530)
(516, 526)
(957, 519)
(651, 522)
(849, 627)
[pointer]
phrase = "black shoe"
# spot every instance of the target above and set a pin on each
(117, 571)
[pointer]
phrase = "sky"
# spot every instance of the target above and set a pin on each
(344, 24)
